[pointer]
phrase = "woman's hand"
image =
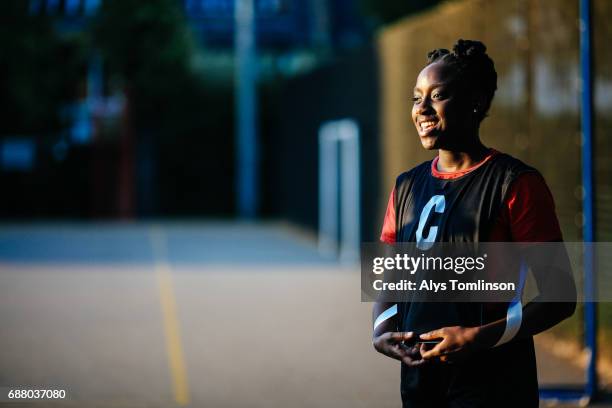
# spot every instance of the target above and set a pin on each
(456, 344)
(393, 344)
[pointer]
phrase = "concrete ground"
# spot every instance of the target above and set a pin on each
(193, 314)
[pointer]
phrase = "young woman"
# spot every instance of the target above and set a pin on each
(474, 194)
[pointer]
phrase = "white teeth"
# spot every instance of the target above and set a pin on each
(427, 125)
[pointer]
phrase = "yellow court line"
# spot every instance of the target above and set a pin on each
(176, 359)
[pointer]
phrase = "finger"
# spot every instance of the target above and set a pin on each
(423, 348)
(394, 354)
(438, 350)
(411, 362)
(401, 336)
(434, 334)
(412, 350)
(399, 354)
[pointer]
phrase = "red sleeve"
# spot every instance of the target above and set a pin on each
(530, 211)
(388, 230)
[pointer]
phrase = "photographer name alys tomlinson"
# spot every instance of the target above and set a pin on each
(430, 285)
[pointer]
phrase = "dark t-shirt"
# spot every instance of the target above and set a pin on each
(528, 213)
(498, 199)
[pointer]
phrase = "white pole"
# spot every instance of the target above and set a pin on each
(328, 190)
(339, 190)
(350, 219)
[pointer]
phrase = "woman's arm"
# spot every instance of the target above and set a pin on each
(386, 338)
(530, 217)
(459, 342)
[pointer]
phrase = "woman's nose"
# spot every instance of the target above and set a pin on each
(424, 106)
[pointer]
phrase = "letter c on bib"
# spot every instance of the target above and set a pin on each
(437, 203)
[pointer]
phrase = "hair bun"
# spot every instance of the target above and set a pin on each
(435, 54)
(469, 48)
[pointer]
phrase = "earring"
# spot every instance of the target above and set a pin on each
(475, 110)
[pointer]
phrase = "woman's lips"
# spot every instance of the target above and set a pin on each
(426, 126)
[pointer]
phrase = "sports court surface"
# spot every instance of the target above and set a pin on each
(200, 314)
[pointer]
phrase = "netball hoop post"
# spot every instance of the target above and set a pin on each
(590, 390)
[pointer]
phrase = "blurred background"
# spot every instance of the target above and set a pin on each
(185, 184)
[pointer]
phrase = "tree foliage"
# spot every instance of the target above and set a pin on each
(148, 46)
(388, 11)
(39, 69)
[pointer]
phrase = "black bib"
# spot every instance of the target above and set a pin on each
(464, 209)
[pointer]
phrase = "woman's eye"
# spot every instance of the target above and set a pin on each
(416, 99)
(437, 96)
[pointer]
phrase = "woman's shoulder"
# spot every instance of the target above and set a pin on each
(420, 169)
(511, 164)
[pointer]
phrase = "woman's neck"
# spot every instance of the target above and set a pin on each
(461, 159)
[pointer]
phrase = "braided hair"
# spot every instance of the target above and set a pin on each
(473, 68)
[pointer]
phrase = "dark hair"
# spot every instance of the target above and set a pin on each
(473, 68)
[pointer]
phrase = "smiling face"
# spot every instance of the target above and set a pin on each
(441, 112)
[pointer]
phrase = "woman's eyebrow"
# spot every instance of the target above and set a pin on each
(431, 86)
